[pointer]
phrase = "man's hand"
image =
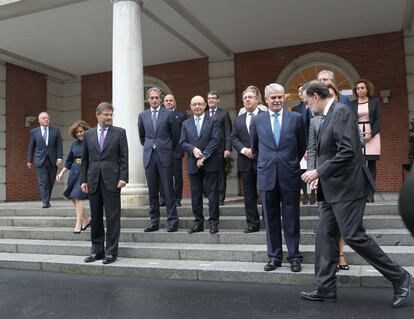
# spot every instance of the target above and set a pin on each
(29, 165)
(121, 183)
(310, 176)
(367, 137)
(84, 187)
(200, 162)
(58, 162)
(227, 153)
(314, 184)
(197, 153)
(248, 153)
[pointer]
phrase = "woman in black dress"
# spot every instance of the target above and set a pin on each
(72, 164)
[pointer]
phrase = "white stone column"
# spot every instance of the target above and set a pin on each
(222, 79)
(2, 132)
(128, 88)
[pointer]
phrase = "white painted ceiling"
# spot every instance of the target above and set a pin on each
(78, 38)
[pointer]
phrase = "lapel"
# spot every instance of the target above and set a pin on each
(203, 126)
(39, 133)
(323, 125)
(161, 114)
(268, 128)
(95, 140)
(109, 135)
(285, 124)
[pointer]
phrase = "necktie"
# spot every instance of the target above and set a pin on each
(213, 112)
(44, 135)
(276, 126)
(154, 118)
(198, 126)
(249, 120)
(101, 139)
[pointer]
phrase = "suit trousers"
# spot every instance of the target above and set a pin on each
(346, 218)
(196, 186)
(46, 176)
(222, 180)
(277, 203)
(160, 177)
(99, 201)
(178, 181)
(249, 179)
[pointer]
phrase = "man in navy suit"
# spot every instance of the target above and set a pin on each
(170, 105)
(277, 139)
(224, 146)
(199, 139)
(246, 162)
(45, 148)
(159, 134)
(104, 171)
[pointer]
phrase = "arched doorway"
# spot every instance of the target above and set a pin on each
(149, 82)
(307, 67)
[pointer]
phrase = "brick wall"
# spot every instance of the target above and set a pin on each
(379, 58)
(26, 96)
(184, 78)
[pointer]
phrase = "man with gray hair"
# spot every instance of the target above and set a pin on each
(328, 77)
(277, 140)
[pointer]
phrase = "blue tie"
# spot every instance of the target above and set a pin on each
(198, 127)
(276, 127)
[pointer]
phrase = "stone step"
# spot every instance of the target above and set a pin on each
(226, 222)
(386, 237)
(247, 272)
(185, 211)
(404, 255)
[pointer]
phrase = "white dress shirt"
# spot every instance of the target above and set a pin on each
(271, 113)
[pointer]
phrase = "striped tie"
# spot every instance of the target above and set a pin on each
(154, 118)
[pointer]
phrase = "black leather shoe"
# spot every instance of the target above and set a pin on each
(109, 259)
(151, 228)
(221, 203)
(94, 257)
(251, 229)
(370, 199)
(178, 203)
(316, 295)
(272, 265)
(46, 205)
(172, 229)
(295, 266)
(402, 291)
(214, 230)
(163, 204)
(196, 229)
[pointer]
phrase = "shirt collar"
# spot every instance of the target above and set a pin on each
(201, 117)
(328, 106)
(157, 109)
(272, 113)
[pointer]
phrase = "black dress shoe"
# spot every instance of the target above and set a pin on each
(46, 205)
(172, 229)
(402, 291)
(370, 199)
(109, 259)
(316, 295)
(151, 228)
(214, 230)
(178, 203)
(251, 229)
(94, 257)
(196, 229)
(295, 266)
(221, 203)
(163, 204)
(272, 265)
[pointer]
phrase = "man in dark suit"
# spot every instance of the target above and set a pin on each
(45, 148)
(104, 171)
(170, 105)
(224, 146)
(277, 139)
(326, 77)
(159, 134)
(343, 182)
(246, 162)
(307, 115)
(199, 139)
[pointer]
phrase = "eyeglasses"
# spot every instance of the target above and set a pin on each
(197, 104)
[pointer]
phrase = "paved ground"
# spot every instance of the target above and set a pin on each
(25, 294)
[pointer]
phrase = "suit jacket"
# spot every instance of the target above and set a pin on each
(111, 164)
(306, 117)
(312, 142)
(240, 139)
(343, 175)
(180, 117)
(374, 114)
(164, 138)
(224, 122)
(207, 142)
(38, 150)
(278, 162)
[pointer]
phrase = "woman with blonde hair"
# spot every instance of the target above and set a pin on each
(72, 164)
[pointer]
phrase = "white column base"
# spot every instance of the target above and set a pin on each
(134, 195)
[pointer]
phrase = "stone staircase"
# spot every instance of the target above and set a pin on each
(42, 239)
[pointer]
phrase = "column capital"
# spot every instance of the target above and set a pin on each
(140, 2)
